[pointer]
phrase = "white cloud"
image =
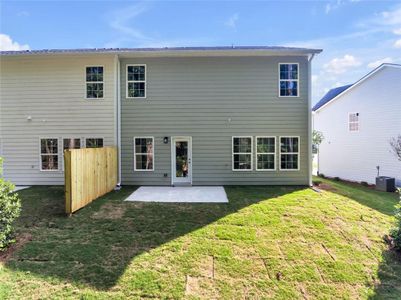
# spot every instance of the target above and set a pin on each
(341, 65)
(397, 31)
(392, 17)
(397, 44)
(232, 21)
(7, 44)
(375, 64)
(23, 13)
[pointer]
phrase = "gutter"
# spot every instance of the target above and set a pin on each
(310, 155)
(118, 120)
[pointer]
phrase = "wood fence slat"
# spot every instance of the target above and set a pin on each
(89, 173)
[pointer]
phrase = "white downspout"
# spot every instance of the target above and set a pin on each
(118, 119)
(310, 167)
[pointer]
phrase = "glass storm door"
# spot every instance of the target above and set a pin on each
(181, 160)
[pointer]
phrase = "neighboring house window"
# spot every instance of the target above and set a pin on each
(143, 154)
(49, 154)
(289, 153)
(94, 82)
(94, 143)
(289, 80)
(353, 122)
(265, 153)
(242, 153)
(136, 81)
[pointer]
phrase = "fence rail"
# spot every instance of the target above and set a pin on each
(89, 174)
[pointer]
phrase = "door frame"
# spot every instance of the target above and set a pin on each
(173, 158)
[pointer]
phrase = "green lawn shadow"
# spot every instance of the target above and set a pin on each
(94, 247)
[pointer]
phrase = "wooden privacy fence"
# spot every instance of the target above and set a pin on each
(89, 174)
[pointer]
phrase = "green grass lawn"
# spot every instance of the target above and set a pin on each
(278, 242)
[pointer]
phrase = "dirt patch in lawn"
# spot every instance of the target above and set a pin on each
(110, 211)
(326, 187)
(21, 240)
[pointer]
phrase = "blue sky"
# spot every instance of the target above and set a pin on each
(356, 36)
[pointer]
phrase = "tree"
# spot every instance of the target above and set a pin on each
(317, 139)
(10, 208)
(395, 144)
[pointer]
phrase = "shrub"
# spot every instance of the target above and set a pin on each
(396, 232)
(336, 178)
(321, 175)
(10, 208)
(316, 182)
(364, 183)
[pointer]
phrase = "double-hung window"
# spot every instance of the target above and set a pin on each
(265, 153)
(242, 150)
(143, 153)
(94, 143)
(136, 81)
(49, 155)
(289, 80)
(71, 143)
(353, 121)
(94, 82)
(289, 153)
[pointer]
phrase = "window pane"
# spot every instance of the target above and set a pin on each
(289, 161)
(49, 146)
(136, 73)
(94, 143)
(94, 74)
(242, 161)
(144, 161)
(289, 71)
(49, 162)
(265, 161)
(136, 89)
(242, 145)
(94, 90)
(289, 144)
(71, 144)
(288, 88)
(265, 145)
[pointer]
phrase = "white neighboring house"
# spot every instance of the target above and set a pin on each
(357, 121)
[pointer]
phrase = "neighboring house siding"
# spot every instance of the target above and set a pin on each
(211, 100)
(50, 89)
(355, 155)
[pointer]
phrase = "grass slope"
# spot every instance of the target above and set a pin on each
(278, 242)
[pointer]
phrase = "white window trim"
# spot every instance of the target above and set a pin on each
(153, 153)
(62, 146)
(297, 80)
(93, 137)
(131, 81)
(299, 152)
(349, 122)
(232, 153)
(274, 153)
(58, 153)
(86, 94)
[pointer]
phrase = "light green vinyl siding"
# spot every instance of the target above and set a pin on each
(211, 100)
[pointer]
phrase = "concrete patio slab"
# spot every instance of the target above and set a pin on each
(20, 187)
(191, 194)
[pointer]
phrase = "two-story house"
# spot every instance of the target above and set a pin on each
(199, 115)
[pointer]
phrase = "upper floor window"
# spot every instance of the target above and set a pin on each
(136, 81)
(94, 82)
(289, 80)
(353, 121)
(242, 153)
(49, 155)
(94, 143)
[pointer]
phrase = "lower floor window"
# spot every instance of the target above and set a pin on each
(289, 153)
(242, 153)
(73, 143)
(94, 143)
(143, 154)
(49, 156)
(265, 153)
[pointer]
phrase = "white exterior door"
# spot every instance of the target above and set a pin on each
(181, 160)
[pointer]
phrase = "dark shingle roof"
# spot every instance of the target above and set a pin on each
(164, 49)
(330, 95)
